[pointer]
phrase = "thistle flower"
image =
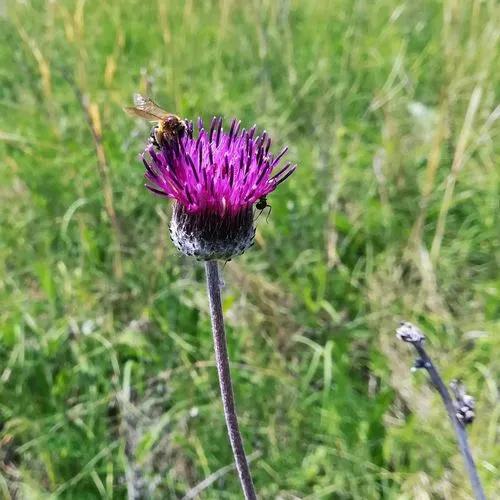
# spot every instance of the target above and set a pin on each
(215, 179)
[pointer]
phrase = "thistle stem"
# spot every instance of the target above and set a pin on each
(459, 428)
(412, 335)
(223, 371)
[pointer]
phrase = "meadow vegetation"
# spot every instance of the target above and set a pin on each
(107, 379)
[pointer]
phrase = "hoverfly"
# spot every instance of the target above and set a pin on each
(168, 126)
(262, 205)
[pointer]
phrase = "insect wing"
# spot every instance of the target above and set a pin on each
(141, 113)
(149, 106)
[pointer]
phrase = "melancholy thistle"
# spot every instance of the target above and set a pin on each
(215, 178)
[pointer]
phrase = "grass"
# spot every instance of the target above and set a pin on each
(390, 111)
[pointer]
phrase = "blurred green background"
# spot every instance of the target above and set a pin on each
(107, 379)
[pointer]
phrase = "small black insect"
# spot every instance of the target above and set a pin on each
(262, 205)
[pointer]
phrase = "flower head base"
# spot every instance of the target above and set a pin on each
(215, 179)
(208, 236)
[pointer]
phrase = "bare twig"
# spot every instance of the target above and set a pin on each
(93, 117)
(411, 334)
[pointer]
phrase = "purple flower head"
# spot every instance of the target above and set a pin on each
(215, 179)
(218, 172)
